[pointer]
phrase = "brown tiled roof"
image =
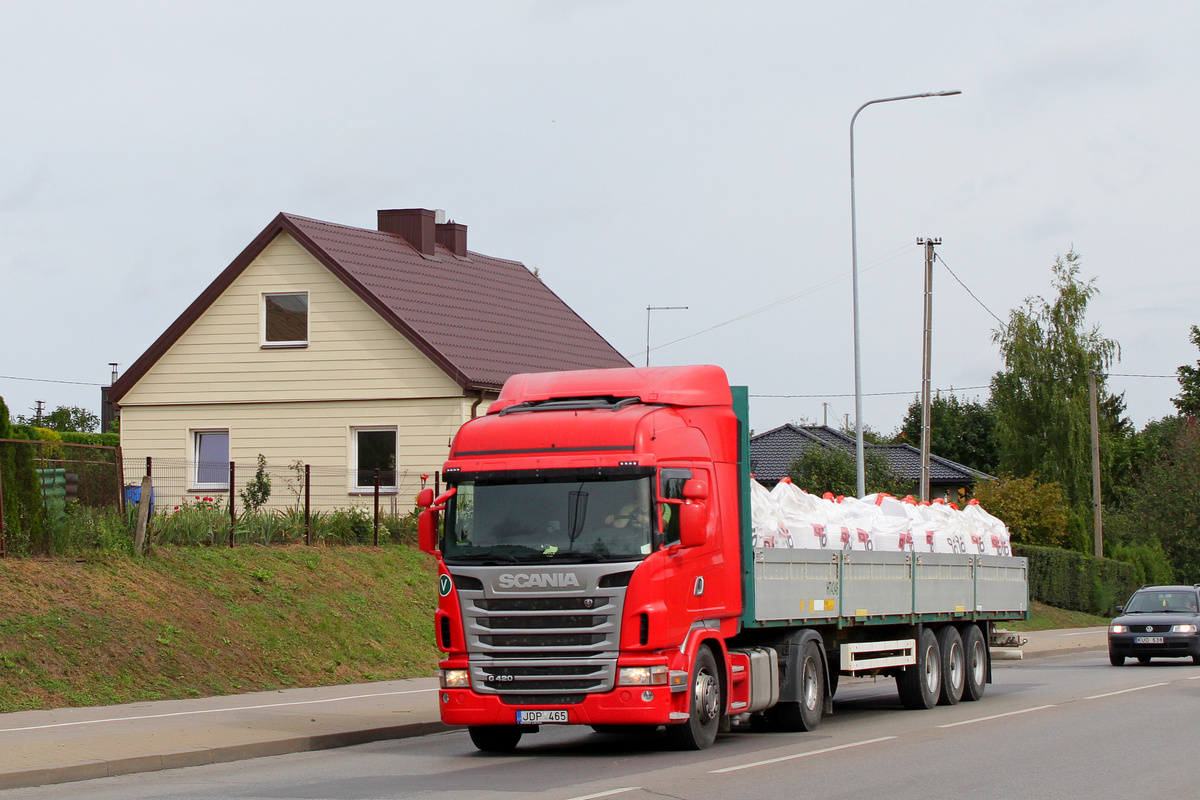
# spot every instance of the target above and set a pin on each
(479, 318)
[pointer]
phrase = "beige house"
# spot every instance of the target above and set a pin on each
(346, 349)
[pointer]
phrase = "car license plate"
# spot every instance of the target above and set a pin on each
(538, 717)
(1147, 640)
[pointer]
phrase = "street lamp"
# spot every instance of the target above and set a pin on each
(656, 308)
(858, 453)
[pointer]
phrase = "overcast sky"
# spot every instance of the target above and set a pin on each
(635, 153)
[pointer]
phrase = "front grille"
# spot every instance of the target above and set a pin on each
(545, 647)
(542, 699)
(542, 604)
(543, 640)
(525, 623)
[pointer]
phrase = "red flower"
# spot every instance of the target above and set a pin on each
(208, 499)
(176, 508)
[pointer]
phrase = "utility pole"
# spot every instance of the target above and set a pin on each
(926, 360)
(1097, 512)
(38, 412)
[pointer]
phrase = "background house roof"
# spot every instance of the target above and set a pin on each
(772, 452)
(479, 318)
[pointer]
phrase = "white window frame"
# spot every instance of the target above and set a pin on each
(262, 323)
(384, 488)
(197, 485)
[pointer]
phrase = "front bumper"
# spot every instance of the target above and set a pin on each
(622, 706)
(1174, 645)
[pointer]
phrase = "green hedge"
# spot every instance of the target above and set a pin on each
(1069, 579)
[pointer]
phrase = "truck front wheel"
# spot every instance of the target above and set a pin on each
(495, 738)
(704, 708)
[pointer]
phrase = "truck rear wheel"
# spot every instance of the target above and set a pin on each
(975, 649)
(920, 684)
(805, 714)
(495, 738)
(954, 665)
(704, 706)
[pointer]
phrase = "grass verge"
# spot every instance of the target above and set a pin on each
(1044, 618)
(191, 622)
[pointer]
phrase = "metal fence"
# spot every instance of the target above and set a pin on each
(190, 502)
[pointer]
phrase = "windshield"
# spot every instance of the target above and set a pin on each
(562, 520)
(1160, 602)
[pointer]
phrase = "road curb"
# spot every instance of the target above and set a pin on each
(201, 756)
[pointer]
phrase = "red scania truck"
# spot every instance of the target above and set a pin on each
(597, 567)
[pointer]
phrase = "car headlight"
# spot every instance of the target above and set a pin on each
(455, 679)
(1118, 629)
(642, 676)
(1183, 629)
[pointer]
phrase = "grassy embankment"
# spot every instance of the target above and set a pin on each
(191, 622)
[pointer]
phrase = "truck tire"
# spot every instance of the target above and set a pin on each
(954, 665)
(975, 649)
(805, 714)
(704, 707)
(920, 684)
(495, 738)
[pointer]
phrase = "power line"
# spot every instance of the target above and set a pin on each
(48, 380)
(802, 293)
(973, 297)
(951, 390)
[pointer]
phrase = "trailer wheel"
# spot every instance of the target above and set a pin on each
(920, 684)
(954, 665)
(804, 715)
(495, 738)
(977, 658)
(705, 706)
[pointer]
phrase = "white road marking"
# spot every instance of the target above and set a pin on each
(212, 711)
(1125, 691)
(997, 716)
(801, 755)
(605, 794)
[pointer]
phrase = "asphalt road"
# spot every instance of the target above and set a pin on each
(1066, 726)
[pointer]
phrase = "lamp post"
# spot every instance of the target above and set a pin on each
(859, 460)
(656, 308)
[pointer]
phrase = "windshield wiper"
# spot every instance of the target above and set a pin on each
(484, 558)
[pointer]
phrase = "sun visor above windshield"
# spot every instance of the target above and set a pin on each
(703, 385)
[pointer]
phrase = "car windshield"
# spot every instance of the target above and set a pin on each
(1181, 602)
(560, 520)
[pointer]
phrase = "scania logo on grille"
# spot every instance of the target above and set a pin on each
(538, 580)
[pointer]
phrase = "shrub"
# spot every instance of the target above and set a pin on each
(1072, 580)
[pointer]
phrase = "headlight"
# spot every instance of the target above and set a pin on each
(642, 676)
(1183, 629)
(455, 679)
(1118, 628)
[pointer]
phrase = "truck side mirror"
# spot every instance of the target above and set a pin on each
(693, 524)
(425, 498)
(427, 531)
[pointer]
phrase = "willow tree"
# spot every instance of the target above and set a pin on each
(1040, 398)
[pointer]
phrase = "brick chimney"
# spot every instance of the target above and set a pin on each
(417, 226)
(453, 237)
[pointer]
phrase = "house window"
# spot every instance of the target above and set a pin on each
(210, 456)
(285, 319)
(374, 449)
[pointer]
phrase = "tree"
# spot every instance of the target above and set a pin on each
(1162, 507)
(1035, 513)
(960, 430)
(1188, 401)
(65, 418)
(1040, 398)
(827, 469)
